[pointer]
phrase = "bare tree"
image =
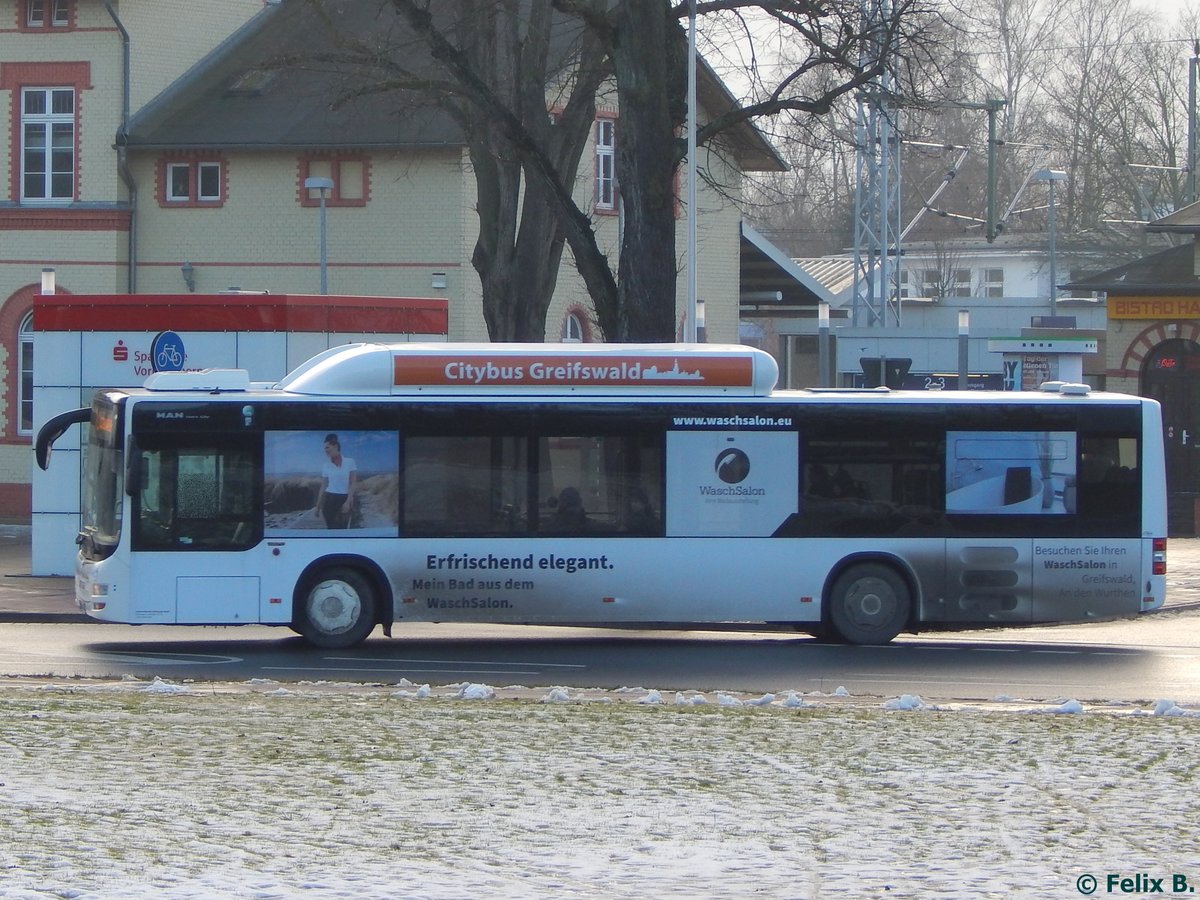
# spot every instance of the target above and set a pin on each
(1015, 43)
(493, 64)
(1093, 87)
(522, 90)
(810, 209)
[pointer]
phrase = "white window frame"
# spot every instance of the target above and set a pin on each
(992, 281)
(195, 191)
(930, 283)
(960, 283)
(49, 145)
(606, 162)
(35, 13)
(25, 375)
(213, 171)
(573, 329)
(170, 192)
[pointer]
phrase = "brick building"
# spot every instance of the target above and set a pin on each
(151, 149)
(1153, 349)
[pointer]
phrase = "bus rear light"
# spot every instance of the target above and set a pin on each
(1160, 556)
(96, 589)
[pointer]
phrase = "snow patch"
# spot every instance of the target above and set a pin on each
(476, 692)
(158, 686)
(906, 702)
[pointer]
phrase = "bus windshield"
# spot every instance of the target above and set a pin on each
(103, 481)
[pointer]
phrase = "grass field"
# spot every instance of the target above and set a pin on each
(131, 789)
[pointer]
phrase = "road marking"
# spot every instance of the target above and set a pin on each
(457, 662)
(995, 649)
(399, 670)
(151, 658)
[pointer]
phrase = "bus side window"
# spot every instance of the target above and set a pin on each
(465, 485)
(870, 485)
(197, 497)
(605, 484)
(1109, 480)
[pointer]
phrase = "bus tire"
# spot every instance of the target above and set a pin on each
(869, 604)
(336, 609)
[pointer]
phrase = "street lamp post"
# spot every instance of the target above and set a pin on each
(1050, 176)
(964, 335)
(323, 185)
(823, 344)
(692, 332)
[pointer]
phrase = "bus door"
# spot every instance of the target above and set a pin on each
(196, 526)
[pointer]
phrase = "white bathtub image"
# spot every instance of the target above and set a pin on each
(987, 496)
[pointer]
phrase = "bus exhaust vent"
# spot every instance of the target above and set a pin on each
(202, 380)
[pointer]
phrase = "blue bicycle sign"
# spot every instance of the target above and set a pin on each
(167, 353)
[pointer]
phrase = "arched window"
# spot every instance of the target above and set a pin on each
(573, 329)
(25, 375)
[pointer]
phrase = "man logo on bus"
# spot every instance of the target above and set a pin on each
(732, 466)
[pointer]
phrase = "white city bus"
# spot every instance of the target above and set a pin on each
(613, 485)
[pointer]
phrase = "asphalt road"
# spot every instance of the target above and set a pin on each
(1153, 656)
(1143, 660)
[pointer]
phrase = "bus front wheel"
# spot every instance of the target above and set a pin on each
(869, 604)
(337, 609)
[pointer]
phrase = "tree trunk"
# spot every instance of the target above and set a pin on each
(651, 85)
(525, 161)
(517, 260)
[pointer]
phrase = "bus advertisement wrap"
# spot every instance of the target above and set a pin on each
(1010, 473)
(341, 483)
(720, 482)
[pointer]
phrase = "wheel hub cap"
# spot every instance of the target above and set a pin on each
(334, 606)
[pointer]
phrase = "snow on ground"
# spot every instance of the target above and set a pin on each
(265, 790)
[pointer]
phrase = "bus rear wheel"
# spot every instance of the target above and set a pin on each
(337, 609)
(869, 604)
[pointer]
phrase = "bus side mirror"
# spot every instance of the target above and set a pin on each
(54, 429)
